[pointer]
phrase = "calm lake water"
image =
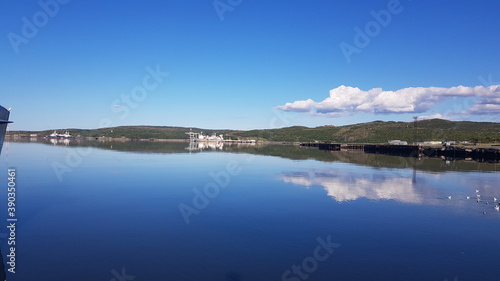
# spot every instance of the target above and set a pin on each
(116, 211)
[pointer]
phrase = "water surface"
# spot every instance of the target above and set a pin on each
(90, 211)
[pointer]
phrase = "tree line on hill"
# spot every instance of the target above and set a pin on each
(371, 132)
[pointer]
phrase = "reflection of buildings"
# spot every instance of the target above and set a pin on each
(59, 141)
(195, 146)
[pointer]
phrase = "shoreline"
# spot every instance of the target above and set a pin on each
(124, 139)
(479, 153)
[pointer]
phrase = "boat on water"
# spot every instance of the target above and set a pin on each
(4, 121)
(56, 135)
(200, 137)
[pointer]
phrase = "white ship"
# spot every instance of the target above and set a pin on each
(200, 137)
(56, 135)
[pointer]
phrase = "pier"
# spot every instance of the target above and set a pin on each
(323, 145)
(329, 146)
(398, 150)
(480, 154)
(353, 146)
(309, 144)
(460, 153)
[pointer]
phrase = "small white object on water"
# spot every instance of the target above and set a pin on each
(477, 191)
(449, 197)
(494, 199)
(497, 208)
(468, 197)
(478, 196)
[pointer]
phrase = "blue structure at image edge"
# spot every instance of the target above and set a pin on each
(4, 121)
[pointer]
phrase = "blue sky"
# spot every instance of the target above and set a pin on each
(241, 64)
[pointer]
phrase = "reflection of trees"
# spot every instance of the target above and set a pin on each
(292, 152)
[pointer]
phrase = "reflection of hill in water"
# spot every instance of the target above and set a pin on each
(290, 152)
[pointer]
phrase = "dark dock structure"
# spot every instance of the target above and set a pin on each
(353, 146)
(398, 150)
(329, 146)
(309, 144)
(445, 152)
(322, 145)
(485, 155)
(459, 153)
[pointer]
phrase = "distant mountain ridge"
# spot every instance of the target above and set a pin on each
(371, 132)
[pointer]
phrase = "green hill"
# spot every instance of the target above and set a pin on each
(372, 132)
(380, 132)
(132, 132)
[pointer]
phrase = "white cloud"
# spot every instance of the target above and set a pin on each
(299, 106)
(485, 106)
(434, 116)
(348, 100)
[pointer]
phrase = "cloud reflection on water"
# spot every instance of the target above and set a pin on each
(345, 186)
(450, 189)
